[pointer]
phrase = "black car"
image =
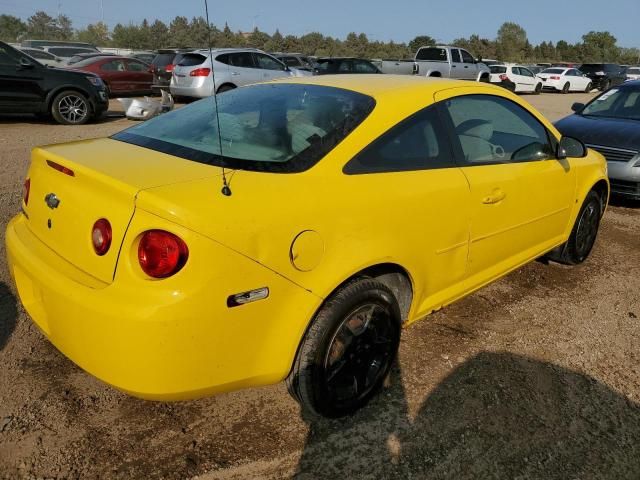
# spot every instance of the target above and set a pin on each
(27, 86)
(326, 66)
(610, 124)
(163, 63)
(604, 75)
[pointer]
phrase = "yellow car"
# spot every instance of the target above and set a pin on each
(290, 229)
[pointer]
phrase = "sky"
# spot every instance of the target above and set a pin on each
(398, 20)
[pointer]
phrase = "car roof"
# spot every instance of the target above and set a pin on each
(379, 86)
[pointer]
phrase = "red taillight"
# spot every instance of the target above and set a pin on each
(504, 78)
(101, 236)
(554, 77)
(26, 190)
(200, 72)
(170, 67)
(61, 168)
(161, 254)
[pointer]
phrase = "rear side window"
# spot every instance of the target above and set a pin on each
(492, 129)
(242, 59)
(433, 54)
(362, 66)
(191, 59)
(417, 143)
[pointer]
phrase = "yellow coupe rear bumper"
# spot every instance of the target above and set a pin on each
(158, 340)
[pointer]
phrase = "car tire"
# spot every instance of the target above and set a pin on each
(583, 235)
(605, 85)
(538, 89)
(566, 87)
(589, 88)
(71, 108)
(348, 350)
(225, 88)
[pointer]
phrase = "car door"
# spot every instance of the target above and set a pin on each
(243, 69)
(270, 67)
(114, 74)
(424, 200)
(521, 194)
(21, 82)
(457, 67)
(469, 66)
(138, 75)
(528, 79)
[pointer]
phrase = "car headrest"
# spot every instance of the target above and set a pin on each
(476, 128)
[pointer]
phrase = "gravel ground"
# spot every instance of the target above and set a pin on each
(535, 376)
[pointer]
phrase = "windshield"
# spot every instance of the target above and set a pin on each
(617, 103)
(633, 71)
(274, 127)
(497, 69)
(557, 71)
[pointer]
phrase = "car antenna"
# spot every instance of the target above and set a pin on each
(226, 190)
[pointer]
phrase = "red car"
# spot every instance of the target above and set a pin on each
(122, 75)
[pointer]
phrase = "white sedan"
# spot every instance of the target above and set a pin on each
(565, 80)
(633, 73)
(516, 78)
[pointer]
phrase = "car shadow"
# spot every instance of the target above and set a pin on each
(8, 314)
(498, 416)
(624, 202)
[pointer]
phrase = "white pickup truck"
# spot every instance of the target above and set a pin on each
(441, 61)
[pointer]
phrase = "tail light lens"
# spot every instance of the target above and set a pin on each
(504, 78)
(101, 236)
(161, 254)
(169, 67)
(554, 77)
(200, 72)
(26, 190)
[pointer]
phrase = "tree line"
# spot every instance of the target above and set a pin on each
(511, 43)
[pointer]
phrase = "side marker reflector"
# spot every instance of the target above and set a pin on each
(247, 297)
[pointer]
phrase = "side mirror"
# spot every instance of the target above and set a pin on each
(577, 107)
(25, 64)
(570, 147)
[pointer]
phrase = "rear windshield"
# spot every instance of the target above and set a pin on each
(282, 128)
(554, 70)
(191, 59)
(497, 69)
(592, 67)
(432, 54)
(66, 52)
(163, 59)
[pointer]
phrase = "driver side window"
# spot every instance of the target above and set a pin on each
(492, 129)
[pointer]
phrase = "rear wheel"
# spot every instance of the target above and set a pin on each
(71, 108)
(565, 88)
(538, 89)
(584, 233)
(348, 350)
(225, 88)
(589, 88)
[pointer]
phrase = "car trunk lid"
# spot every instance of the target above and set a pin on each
(74, 185)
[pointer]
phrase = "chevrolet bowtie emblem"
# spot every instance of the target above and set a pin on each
(52, 200)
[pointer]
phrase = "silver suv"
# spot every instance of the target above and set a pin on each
(232, 67)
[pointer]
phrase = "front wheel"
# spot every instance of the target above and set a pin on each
(348, 350)
(584, 233)
(538, 89)
(71, 108)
